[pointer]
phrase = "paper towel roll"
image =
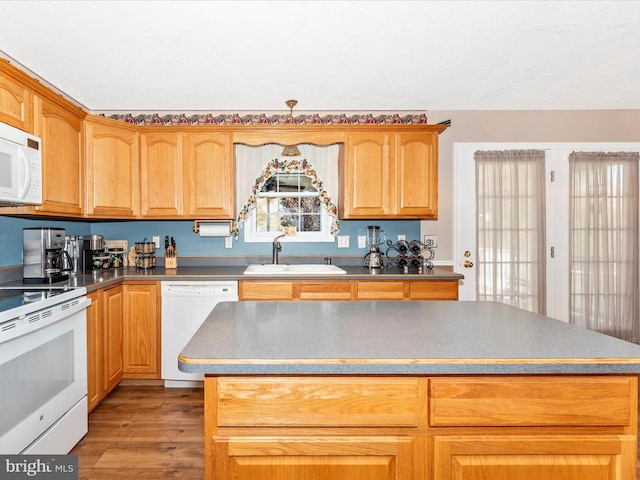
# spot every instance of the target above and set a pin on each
(214, 230)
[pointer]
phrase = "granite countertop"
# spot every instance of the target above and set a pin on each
(401, 338)
(104, 278)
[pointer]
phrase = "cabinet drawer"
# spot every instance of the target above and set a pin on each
(339, 290)
(266, 290)
(434, 290)
(336, 401)
(532, 401)
(383, 290)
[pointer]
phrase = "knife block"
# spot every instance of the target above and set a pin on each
(172, 261)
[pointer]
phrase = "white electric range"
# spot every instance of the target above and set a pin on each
(43, 368)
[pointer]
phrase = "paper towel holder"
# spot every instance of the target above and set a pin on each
(196, 225)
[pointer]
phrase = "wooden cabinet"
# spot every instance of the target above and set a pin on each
(348, 290)
(60, 129)
(94, 350)
(113, 171)
(389, 174)
(141, 337)
(429, 428)
(606, 457)
(209, 179)
(104, 343)
(123, 337)
(161, 186)
(244, 442)
(15, 99)
(112, 330)
(319, 458)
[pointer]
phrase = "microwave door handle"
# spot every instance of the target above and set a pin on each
(27, 175)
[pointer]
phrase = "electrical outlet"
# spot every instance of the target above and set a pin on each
(362, 241)
(402, 237)
(432, 238)
(343, 241)
(156, 240)
(228, 242)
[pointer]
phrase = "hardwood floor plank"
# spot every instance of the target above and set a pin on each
(152, 455)
(143, 433)
(140, 474)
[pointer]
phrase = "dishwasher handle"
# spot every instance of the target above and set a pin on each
(199, 289)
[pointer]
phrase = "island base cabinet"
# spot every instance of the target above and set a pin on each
(527, 457)
(317, 458)
(449, 427)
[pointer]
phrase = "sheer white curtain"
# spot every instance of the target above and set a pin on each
(251, 161)
(510, 209)
(604, 242)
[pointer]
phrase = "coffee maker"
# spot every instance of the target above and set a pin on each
(43, 255)
(90, 253)
(375, 238)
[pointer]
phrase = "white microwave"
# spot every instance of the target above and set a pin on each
(20, 167)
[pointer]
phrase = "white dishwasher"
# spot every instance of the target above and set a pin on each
(185, 306)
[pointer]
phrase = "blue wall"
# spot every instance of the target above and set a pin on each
(190, 244)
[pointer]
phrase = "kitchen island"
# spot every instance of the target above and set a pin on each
(412, 390)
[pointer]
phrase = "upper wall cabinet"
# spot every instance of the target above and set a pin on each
(389, 174)
(209, 178)
(15, 100)
(161, 170)
(113, 169)
(62, 168)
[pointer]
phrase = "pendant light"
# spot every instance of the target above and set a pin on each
(291, 150)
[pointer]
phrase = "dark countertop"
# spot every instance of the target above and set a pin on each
(397, 338)
(104, 278)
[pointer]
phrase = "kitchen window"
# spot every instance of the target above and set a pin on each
(287, 192)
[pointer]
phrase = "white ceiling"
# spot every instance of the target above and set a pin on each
(330, 55)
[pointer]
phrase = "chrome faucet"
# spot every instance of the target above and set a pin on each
(276, 248)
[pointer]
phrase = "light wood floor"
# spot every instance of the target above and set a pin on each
(144, 433)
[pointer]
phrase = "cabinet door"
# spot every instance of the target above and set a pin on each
(94, 350)
(267, 290)
(141, 332)
(366, 176)
(15, 103)
(416, 168)
(113, 175)
(209, 178)
(112, 338)
(318, 458)
(531, 457)
(62, 169)
(434, 290)
(327, 290)
(161, 175)
(383, 290)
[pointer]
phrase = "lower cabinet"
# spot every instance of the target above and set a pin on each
(283, 290)
(141, 342)
(122, 337)
(514, 427)
(530, 457)
(104, 343)
(318, 458)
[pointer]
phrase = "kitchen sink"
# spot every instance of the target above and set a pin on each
(293, 269)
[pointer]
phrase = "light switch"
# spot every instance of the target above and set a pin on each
(228, 242)
(362, 241)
